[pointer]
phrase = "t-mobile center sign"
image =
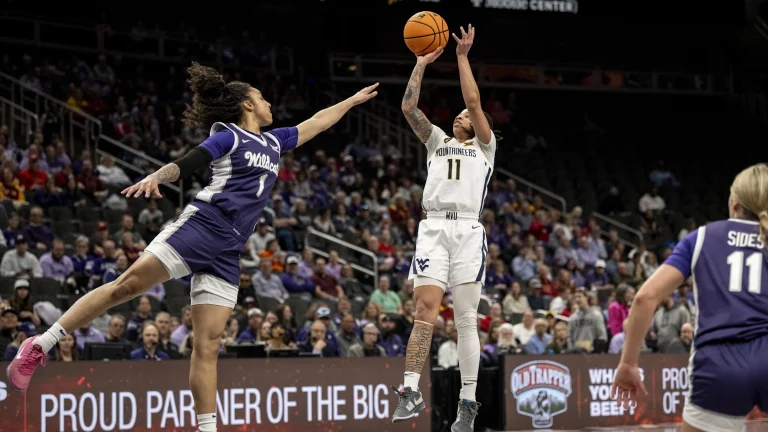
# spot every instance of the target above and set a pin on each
(254, 395)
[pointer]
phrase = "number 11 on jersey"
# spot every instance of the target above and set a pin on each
(457, 173)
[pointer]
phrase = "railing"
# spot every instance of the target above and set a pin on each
(100, 151)
(73, 122)
(621, 228)
(141, 44)
(547, 196)
(368, 125)
(13, 114)
(349, 248)
(351, 68)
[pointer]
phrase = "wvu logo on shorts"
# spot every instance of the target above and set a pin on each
(423, 263)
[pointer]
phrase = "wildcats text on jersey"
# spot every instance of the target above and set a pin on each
(260, 160)
(453, 151)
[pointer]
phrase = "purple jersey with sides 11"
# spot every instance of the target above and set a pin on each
(730, 273)
(245, 167)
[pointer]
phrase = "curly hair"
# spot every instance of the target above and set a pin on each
(214, 100)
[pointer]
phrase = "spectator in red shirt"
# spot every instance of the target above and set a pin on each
(33, 177)
(549, 288)
(385, 244)
(90, 182)
(287, 172)
(540, 226)
(399, 212)
(326, 286)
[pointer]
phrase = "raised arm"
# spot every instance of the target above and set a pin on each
(469, 87)
(420, 124)
(324, 119)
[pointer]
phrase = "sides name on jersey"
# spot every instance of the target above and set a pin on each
(260, 160)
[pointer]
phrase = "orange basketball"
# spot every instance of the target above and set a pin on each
(424, 32)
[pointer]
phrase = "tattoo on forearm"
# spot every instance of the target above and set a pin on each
(418, 347)
(414, 86)
(168, 173)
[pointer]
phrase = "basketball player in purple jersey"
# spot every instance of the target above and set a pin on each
(729, 268)
(206, 240)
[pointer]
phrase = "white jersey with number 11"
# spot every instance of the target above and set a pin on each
(457, 173)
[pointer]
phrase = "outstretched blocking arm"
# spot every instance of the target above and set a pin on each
(419, 122)
(469, 89)
(324, 119)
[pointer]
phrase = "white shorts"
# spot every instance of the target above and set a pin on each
(451, 248)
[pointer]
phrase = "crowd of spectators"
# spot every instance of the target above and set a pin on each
(555, 282)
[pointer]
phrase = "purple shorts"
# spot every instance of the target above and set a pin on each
(200, 242)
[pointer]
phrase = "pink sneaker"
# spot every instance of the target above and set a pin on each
(22, 367)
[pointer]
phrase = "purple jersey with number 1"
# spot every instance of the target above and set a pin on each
(729, 266)
(207, 238)
(245, 167)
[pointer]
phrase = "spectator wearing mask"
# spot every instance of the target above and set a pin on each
(316, 343)
(143, 313)
(668, 322)
(327, 285)
(388, 301)
(267, 284)
(347, 335)
(55, 264)
(295, 283)
(525, 329)
(150, 339)
(87, 334)
(20, 262)
(255, 319)
(390, 340)
(683, 343)
(178, 335)
(515, 302)
(586, 325)
(559, 342)
(537, 344)
(368, 346)
(37, 234)
(116, 330)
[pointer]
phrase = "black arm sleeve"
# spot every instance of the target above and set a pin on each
(195, 159)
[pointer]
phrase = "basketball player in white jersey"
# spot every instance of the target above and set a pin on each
(451, 245)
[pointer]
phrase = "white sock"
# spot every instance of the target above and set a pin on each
(411, 379)
(50, 338)
(468, 389)
(206, 422)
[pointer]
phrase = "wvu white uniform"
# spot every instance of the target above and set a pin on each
(451, 245)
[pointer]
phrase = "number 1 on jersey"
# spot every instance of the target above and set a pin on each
(262, 180)
(458, 169)
(755, 264)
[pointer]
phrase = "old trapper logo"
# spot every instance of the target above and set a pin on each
(541, 389)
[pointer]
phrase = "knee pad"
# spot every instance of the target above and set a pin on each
(466, 298)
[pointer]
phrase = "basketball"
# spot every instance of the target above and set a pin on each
(424, 32)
